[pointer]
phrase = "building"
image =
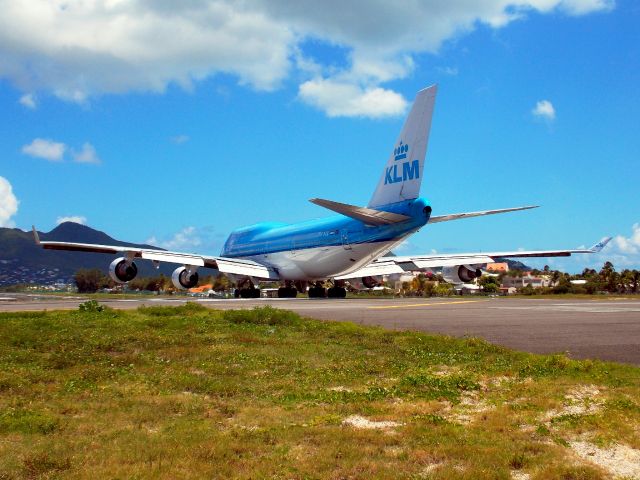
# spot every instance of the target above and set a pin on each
(498, 267)
(527, 279)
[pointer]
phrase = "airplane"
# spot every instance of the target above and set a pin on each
(348, 247)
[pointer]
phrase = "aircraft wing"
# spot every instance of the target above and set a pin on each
(223, 264)
(390, 265)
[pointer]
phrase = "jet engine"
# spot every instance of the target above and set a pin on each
(460, 274)
(184, 279)
(122, 270)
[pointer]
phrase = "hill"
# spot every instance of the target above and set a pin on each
(22, 261)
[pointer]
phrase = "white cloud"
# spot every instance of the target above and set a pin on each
(339, 99)
(581, 7)
(28, 100)
(186, 239)
(86, 155)
(450, 71)
(8, 203)
(628, 245)
(45, 148)
(78, 48)
(72, 218)
(544, 109)
(180, 139)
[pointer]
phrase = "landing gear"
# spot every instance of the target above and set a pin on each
(317, 291)
(246, 289)
(288, 291)
(247, 292)
(337, 292)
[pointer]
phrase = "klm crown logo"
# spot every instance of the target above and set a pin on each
(401, 152)
(408, 171)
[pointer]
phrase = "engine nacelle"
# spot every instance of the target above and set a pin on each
(460, 274)
(183, 279)
(121, 270)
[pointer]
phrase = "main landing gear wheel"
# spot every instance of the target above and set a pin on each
(247, 293)
(317, 292)
(287, 292)
(337, 292)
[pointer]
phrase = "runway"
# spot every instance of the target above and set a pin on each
(606, 329)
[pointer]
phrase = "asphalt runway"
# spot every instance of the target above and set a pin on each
(606, 329)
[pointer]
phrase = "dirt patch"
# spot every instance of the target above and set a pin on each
(470, 406)
(340, 388)
(619, 460)
(518, 475)
(357, 421)
(584, 400)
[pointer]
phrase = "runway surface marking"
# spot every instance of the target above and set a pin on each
(620, 307)
(434, 304)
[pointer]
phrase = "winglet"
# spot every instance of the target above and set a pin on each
(600, 245)
(36, 237)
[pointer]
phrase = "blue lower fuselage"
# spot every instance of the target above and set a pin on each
(290, 247)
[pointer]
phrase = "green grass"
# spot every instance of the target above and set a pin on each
(188, 392)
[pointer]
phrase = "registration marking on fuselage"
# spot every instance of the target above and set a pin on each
(430, 304)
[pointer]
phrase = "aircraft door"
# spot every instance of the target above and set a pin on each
(345, 239)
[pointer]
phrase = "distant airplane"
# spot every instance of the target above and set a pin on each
(349, 246)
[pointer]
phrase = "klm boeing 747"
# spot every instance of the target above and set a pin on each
(347, 247)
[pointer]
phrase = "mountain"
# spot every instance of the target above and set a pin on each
(22, 261)
(515, 264)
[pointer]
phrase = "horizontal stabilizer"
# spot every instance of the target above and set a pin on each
(369, 216)
(458, 216)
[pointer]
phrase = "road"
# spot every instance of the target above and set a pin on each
(606, 329)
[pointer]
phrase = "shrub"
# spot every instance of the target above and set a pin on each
(262, 316)
(91, 306)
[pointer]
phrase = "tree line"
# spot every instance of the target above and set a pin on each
(607, 279)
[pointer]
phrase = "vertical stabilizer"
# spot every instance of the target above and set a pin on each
(402, 175)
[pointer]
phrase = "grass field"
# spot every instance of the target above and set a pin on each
(188, 392)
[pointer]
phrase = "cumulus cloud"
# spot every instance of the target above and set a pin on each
(46, 149)
(72, 218)
(55, 151)
(78, 48)
(628, 245)
(28, 100)
(186, 239)
(87, 154)
(544, 109)
(341, 99)
(8, 203)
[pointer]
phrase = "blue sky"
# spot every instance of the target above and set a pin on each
(176, 124)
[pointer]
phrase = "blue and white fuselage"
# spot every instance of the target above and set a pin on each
(324, 248)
